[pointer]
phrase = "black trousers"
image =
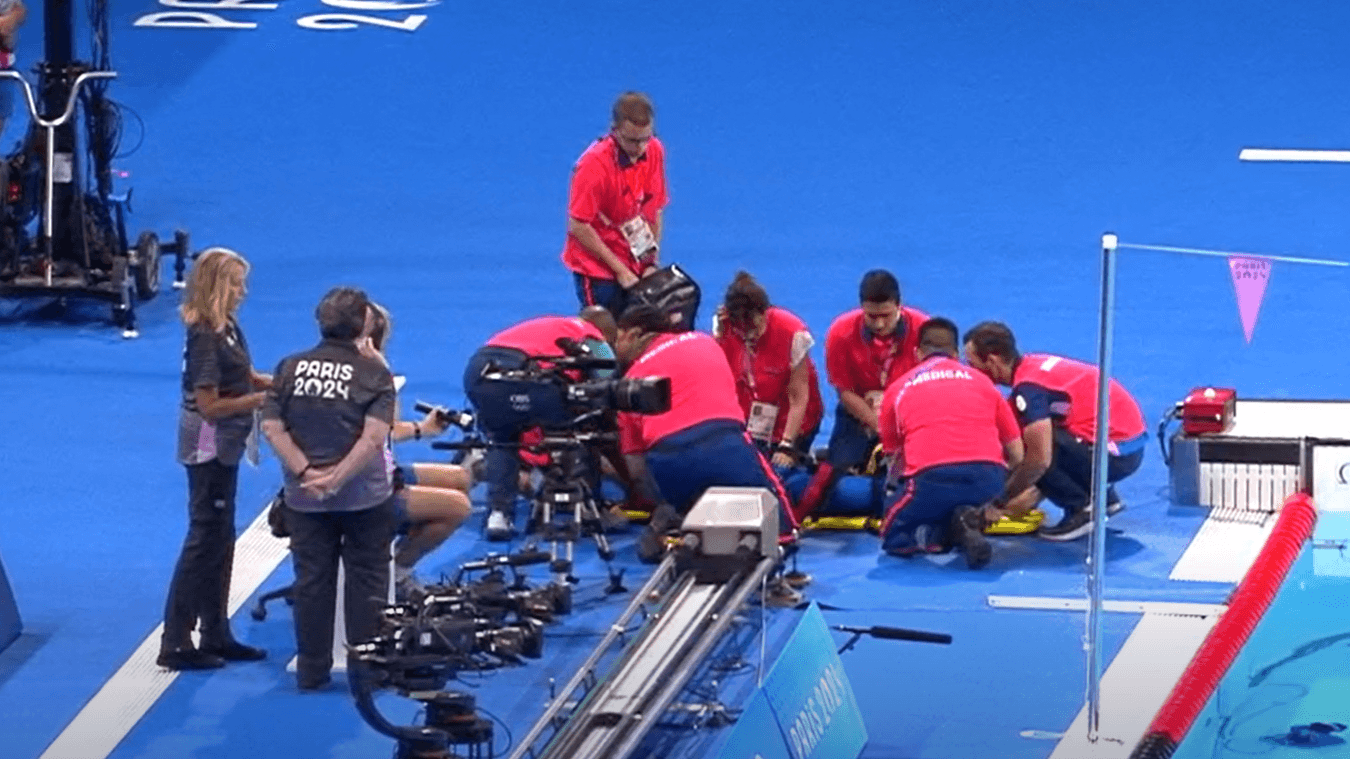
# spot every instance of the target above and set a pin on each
(318, 540)
(201, 580)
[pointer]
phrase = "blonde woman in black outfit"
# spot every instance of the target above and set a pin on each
(220, 392)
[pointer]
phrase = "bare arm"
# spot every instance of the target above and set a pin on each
(1036, 438)
(590, 240)
(643, 483)
(368, 446)
(799, 395)
(1013, 452)
(859, 409)
(281, 441)
(212, 406)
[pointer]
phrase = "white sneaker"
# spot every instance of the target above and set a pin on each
(498, 526)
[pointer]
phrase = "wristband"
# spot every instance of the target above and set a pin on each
(417, 431)
(787, 448)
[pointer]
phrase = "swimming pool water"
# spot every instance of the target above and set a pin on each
(1288, 692)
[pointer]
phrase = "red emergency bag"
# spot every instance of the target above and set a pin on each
(1208, 410)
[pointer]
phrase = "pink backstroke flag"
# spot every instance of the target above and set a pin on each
(1250, 277)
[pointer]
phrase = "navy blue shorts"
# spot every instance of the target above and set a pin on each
(601, 292)
(709, 454)
(917, 515)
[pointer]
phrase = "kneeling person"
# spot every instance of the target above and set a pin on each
(950, 435)
(1056, 403)
(701, 441)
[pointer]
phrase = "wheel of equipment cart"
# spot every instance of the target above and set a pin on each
(147, 265)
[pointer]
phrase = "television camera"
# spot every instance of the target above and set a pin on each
(567, 503)
(487, 617)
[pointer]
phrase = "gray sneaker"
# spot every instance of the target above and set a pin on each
(498, 527)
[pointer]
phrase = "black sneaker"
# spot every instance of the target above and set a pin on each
(235, 651)
(651, 544)
(189, 659)
(313, 683)
(1071, 527)
(967, 532)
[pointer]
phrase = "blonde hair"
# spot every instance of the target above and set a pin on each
(208, 288)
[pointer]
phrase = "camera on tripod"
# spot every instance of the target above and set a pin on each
(590, 398)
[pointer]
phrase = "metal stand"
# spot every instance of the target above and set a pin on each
(82, 245)
(567, 486)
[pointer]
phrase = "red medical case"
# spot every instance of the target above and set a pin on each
(1207, 410)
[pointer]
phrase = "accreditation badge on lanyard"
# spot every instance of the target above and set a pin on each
(639, 235)
(636, 230)
(887, 361)
(763, 416)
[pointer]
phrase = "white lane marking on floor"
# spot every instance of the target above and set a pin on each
(1048, 603)
(129, 694)
(1313, 156)
(1223, 549)
(1135, 685)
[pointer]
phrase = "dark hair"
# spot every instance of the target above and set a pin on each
(992, 338)
(745, 298)
(342, 313)
(938, 334)
(646, 318)
(382, 325)
(634, 107)
(879, 286)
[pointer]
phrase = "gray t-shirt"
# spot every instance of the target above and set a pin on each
(219, 360)
(323, 396)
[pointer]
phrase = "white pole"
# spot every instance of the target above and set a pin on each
(1097, 551)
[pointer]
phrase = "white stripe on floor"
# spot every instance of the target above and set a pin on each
(1048, 603)
(1136, 684)
(1274, 154)
(129, 694)
(1142, 675)
(1224, 548)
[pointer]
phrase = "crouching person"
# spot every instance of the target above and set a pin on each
(951, 436)
(701, 442)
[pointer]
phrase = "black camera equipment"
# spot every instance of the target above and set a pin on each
(567, 506)
(670, 290)
(479, 624)
(81, 246)
(446, 416)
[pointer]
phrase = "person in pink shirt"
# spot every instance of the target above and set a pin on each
(950, 437)
(767, 348)
(1055, 399)
(701, 441)
(866, 349)
(615, 206)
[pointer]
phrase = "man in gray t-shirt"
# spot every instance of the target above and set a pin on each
(327, 416)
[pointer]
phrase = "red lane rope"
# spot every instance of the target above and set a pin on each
(1245, 609)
